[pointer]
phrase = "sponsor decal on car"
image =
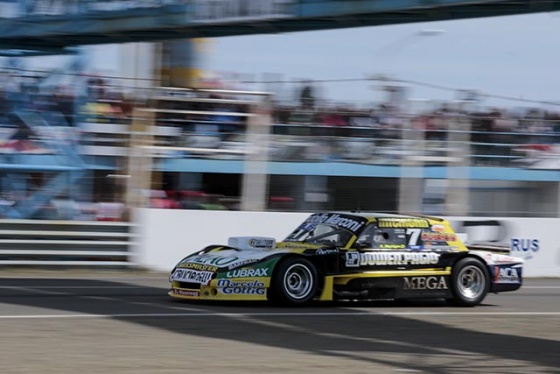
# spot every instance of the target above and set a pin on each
(425, 283)
(242, 273)
(202, 267)
(242, 263)
(507, 274)
(504, 259)
(295, 245)
(438, 228)
(229, 261)
(357, 259)
(261, 243)
(438, 247)
(349, 223)
(403, 222)
(192, 275)
(326, 251)
(438, 237)
(227, 286)
(190, 293)
(392, 246)
(219, 261)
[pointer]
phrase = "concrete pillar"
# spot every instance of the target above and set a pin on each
(254, 193)
(458, 145)
(138, 66)
(411, 182)
(140, 159)
(181, 63)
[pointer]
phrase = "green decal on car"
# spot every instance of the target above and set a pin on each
(261, 269)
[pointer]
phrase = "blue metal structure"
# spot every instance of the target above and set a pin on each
(51, 26)
(63, 163)
(56, 27)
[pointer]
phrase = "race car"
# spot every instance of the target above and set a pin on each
(350, 256)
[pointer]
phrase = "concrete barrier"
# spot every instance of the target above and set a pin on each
(166, 236)
(533, 239)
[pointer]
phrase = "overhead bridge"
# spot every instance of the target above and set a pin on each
(51, 26)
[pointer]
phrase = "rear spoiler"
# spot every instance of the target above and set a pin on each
(438, 219)
(489, 246)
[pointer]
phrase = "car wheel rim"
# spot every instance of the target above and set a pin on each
(471, 282)
(298, 281)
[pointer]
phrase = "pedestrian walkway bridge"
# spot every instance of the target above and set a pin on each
(52, 26)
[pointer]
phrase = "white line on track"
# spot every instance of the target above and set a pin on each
(543, 287)
(273, 314)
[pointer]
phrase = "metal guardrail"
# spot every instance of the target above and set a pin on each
(66, 243)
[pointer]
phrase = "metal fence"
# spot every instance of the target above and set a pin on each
(66, 243)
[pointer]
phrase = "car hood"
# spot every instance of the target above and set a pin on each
(234, 258)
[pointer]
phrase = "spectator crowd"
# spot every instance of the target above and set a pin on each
(495, 133)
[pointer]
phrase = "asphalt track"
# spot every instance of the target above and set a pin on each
(108, 322)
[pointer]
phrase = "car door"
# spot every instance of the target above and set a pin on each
(390, 248)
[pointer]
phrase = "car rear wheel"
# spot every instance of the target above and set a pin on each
(295, 281)
(470, 282)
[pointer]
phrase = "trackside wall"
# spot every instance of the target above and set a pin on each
(165, 236)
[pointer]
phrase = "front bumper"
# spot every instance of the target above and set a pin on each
(220, 289)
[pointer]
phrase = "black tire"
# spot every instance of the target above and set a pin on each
(470, 282)
(295, 282)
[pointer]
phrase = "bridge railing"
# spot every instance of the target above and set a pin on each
(198, 10)
(25, 8)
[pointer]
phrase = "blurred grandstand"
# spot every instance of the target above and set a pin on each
(71, 153)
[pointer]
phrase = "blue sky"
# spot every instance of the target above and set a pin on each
(514, 56)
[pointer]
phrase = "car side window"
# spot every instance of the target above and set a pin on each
(382, 238)
(365, 240)
(328, 235)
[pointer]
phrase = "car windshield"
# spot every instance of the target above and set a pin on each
(320, 234)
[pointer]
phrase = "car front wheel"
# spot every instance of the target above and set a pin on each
(469, 282)
(295, 281)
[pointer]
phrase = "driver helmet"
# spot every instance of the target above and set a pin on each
(379, 237)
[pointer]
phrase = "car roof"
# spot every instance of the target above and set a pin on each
(375, 215)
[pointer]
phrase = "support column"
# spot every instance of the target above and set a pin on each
(140, 159)
(458, 145)
(411, 182)
(181, 63)
(137, 66)
(254, 194)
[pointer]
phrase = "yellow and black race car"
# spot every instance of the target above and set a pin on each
(349, 256)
